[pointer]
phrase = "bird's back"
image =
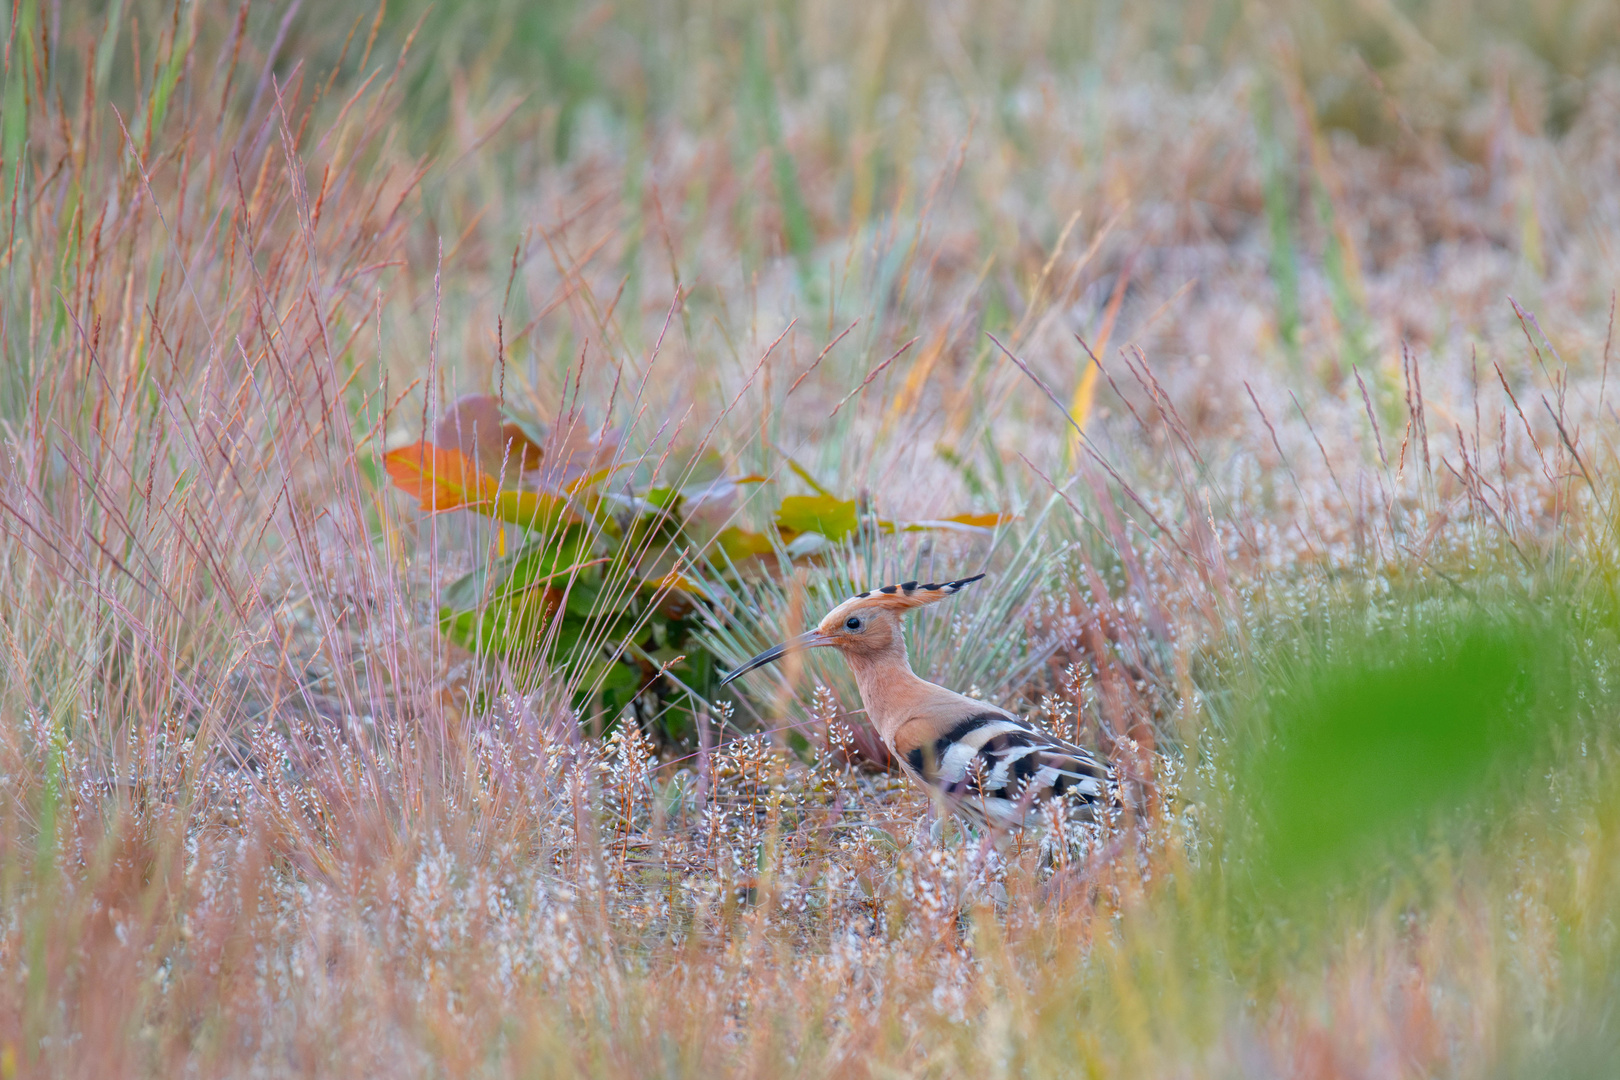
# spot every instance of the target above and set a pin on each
(992, 766)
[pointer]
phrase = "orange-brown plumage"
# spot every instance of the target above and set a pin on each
(988, 764)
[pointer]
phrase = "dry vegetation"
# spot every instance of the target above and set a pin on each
(1348, 278)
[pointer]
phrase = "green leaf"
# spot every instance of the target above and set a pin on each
(831, 517)
(616, 684)
(506, 625)
(804, 474)
(663, 498)
(535, 563)
(582, 598)
(740, 544)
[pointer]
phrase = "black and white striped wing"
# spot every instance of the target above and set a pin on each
(998, 768)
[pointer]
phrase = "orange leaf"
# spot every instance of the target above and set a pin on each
(983, 521)
(523, 450)
(439, 479)
(449, 480)
(962, 522)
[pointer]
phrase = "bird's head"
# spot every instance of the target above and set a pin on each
(864, 625)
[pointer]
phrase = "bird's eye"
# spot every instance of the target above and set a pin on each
(853, 623)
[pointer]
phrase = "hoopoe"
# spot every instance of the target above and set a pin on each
(988, 765)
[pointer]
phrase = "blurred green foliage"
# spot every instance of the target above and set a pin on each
(1382, 730)
(1378, 736)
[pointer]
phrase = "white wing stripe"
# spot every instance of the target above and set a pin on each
(1088, 786)
(1046, 777)
(981, 735)
(998, 775)
(953, 766)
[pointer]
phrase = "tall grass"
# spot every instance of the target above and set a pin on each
(1342, 588)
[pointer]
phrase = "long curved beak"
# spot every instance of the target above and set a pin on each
(812, 640)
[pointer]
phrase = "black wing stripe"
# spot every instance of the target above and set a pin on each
(962, 734)
(997, 770)
(961, 729)
(926, 759)
(1013, 764)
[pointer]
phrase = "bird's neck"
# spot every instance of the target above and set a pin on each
(888, 687)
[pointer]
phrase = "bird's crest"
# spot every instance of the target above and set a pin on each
(900, 597)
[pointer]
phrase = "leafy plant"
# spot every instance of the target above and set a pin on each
(611, 581)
